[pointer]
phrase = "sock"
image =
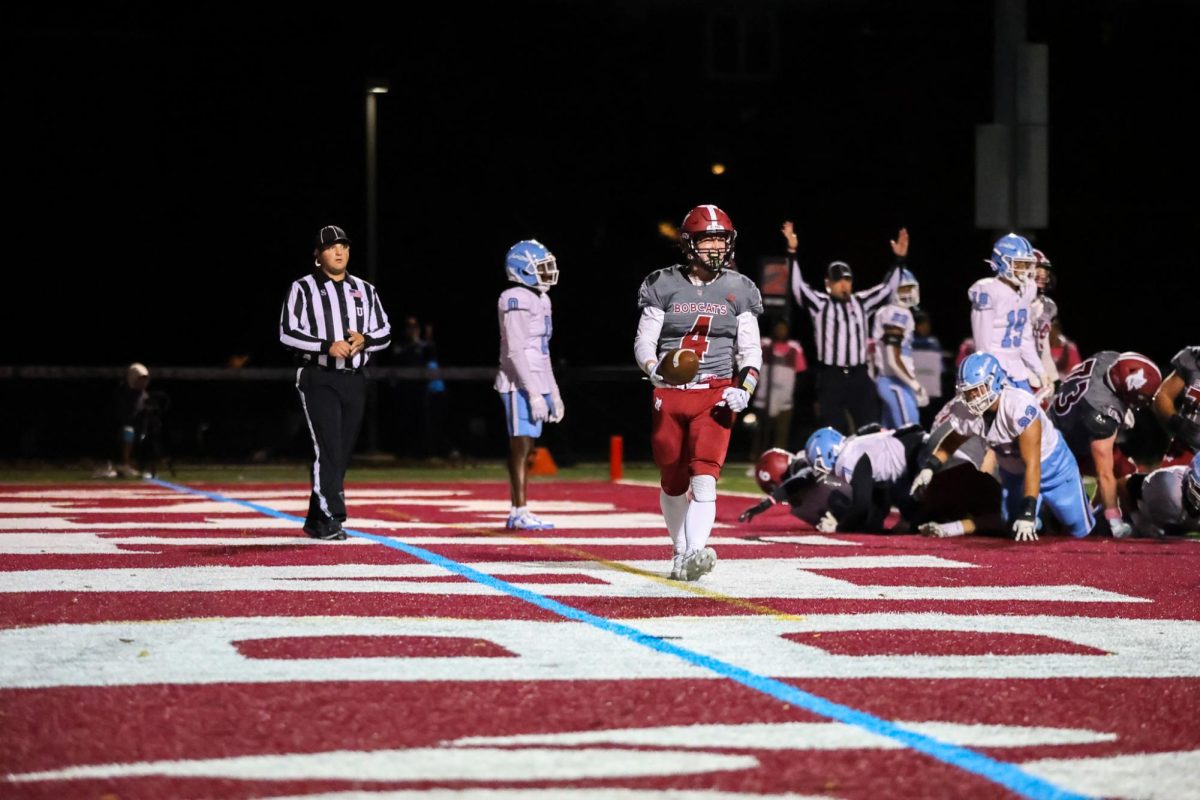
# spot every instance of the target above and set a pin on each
(701, 512)
(674, 509)
(517, 511)
(953, 528)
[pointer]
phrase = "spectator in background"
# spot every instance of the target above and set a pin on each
(423, 401)
(1063, 350)
(965, 348)
(783, 359)
(927, 352)
(131, 398)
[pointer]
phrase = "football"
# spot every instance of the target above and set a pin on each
(679, 367)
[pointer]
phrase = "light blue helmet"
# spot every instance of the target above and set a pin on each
(1013, 258)
(908, 291)
(1191, 487)
(980, 379)
(530, 264)
(822, 449)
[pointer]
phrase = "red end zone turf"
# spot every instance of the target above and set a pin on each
(159, 644)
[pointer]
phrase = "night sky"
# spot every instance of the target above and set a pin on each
(202, 149)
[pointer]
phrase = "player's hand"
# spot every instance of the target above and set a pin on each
(827, 523)
(656, 380)
(900, 244)
(789, 233)
(340, 349)
(922, 397)
(736, 399)
(559, 411)
(1120, 528)
(921, 482)
(357, 341)
(1025, 530)
(753, 511)
(538, 410)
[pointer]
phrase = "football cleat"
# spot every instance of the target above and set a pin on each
(699, 563)
(527, 521)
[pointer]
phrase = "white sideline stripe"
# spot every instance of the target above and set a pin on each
(355, 506)
(556, 793)
(1146, 776)
(621, 521)
(799, 736)
(421, 764)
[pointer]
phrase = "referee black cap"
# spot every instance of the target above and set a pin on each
(331, 234)
(837, 270)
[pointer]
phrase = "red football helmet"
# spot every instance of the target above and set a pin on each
(701, 223)
(1134, 378)
(768, 472)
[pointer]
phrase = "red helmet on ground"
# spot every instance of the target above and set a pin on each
(1134, 378)
(768, 472)
(701, 223)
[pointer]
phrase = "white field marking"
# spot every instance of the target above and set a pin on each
(1146, 776)
(797, 736)
(34, 543)
(292, 505)
(556, 793)
(255, 521)
(721, 492)
(202, 651)
(248, 522)
(743, 578)
(421, 764)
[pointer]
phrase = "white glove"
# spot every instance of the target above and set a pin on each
(1025, 530)
(921, 482)
(656, 380)
(922, 396)
(827, 523)
(560, 410)
(538, 410)
(737, 399)
(1120, 528)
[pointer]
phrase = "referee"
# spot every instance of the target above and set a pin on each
(841, 319)
(332, 321)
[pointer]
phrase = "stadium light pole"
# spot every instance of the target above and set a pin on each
(375, 87)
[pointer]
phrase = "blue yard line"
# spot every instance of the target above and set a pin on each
(1007, 775)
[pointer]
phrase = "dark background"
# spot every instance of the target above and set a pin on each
(167, 169)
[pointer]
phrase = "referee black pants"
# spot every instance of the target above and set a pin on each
(843, 391)
(333, 406)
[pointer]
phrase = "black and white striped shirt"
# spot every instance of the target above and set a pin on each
(319, 311)
(841, 329)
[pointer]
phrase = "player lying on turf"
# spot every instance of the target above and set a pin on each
(1167, 501)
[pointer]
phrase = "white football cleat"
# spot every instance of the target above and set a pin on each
(678, 573)
(527, 522)
(936, 531)
(699, 563)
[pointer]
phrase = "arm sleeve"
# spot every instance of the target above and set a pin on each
(805, 296)
(293, 324)
(645, 344)
(514, 333)
(981, 320)
(380, 334)
(749, 341)
(876, 296)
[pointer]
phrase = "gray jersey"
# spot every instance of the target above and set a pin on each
(701, 318)
(1085, 408)
(1186, 364)
(885, 451)
(1160, 509)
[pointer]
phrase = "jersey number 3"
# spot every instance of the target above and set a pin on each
(696, 339)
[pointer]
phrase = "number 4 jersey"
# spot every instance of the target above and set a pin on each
(704, 317)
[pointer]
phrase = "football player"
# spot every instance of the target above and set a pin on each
(1034, 462)
(1167, 500)
(705, 306)
(1095, 401)
(789, 478)
(1177, 405)
(526, 379)
(896, 377)
(1001, 318)
(877, 469)
(1043, 310)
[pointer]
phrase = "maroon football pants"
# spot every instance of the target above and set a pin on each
(689, 434)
